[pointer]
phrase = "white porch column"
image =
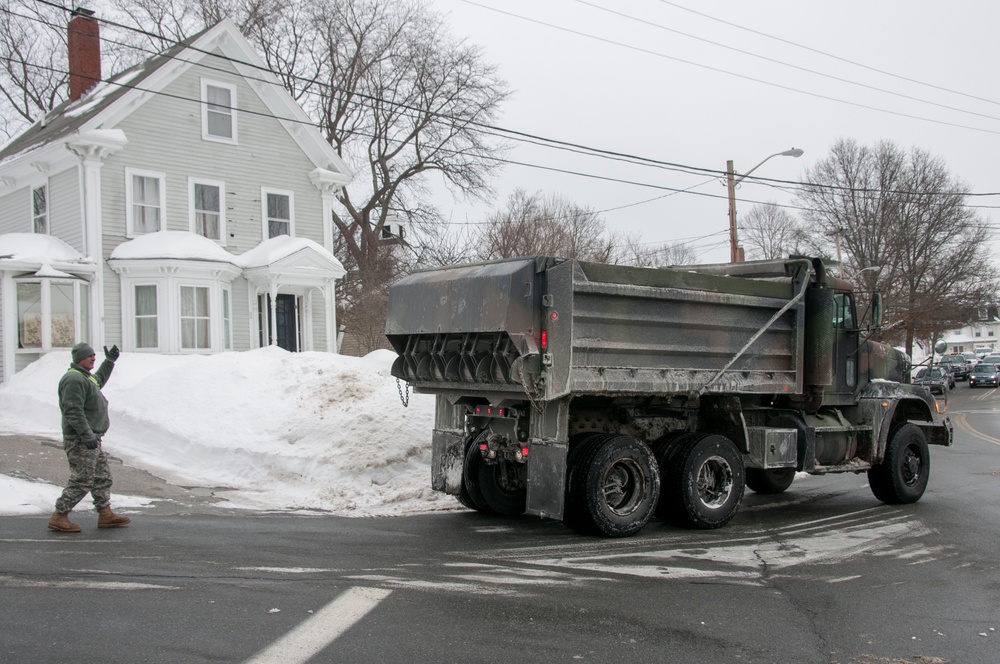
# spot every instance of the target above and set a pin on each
(331, 316)
(92, 147)
(274, 313)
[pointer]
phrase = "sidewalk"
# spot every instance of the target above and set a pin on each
(39, 459)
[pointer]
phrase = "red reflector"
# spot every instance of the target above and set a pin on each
(554, 315)
(524, 451)
(483, 446)
(479, 409)
(545, 339)
(489, 411)
(500, 412)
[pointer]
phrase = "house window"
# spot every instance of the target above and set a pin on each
(208, 209)
(51, 314)
(218, 115)
(227, 342)
(145, 202)
(40, 210)
(196, 321)
(146, 319)
(278, 213)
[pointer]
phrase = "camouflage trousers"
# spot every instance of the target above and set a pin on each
(88, 472)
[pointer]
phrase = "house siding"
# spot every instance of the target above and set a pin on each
(266, 156)
(65, 217)
(3, 335)
(15, 213)
(319, 320)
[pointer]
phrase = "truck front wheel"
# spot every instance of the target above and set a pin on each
(902, 476)
(614, 486)
(703, 481)
(770, 480)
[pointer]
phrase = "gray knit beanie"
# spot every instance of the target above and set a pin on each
(82, 351)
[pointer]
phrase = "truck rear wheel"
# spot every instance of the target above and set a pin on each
(770, 480)
(614, 486)
(902, 476)
(703, 481)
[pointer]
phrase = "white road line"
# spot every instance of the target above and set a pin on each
(318, 631)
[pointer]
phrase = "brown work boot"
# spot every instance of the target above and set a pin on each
(108, 519)
(61, 524)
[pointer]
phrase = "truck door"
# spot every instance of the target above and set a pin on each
(845, 324)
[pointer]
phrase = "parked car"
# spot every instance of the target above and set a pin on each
(957, 365)
(937, 378)
(984, 374)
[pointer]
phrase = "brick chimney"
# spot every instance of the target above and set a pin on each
(84, 53)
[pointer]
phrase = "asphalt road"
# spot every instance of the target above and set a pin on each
(823, 573)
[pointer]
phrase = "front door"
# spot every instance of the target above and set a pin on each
(286, 316)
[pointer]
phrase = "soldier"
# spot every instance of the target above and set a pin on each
(84, 420)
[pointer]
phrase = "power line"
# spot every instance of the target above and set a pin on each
(830, 55)
(783, 63)
(520, 136)
(727, 72)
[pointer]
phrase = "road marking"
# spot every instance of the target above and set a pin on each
(11, 582)
(322, 628)
(964, 425)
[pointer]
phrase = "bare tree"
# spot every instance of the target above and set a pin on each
(536, 224)
(770, 232)
(906, 215)
(633, 251)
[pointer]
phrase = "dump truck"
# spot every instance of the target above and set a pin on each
(604, 395)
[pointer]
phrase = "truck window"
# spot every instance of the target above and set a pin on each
(843, 316)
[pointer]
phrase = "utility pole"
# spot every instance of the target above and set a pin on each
(734, 244)
(735, 250)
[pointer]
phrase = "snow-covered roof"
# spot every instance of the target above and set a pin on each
(275, 249)
(288, 252)
(176, 245)
(50, 256)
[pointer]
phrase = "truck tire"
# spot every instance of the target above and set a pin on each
(703, 482)
(470, 479)
(902, 476)
(615, 486)
(502, 485)
(574, 503)
(770, 480)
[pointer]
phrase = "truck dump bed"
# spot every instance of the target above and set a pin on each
(549, 327)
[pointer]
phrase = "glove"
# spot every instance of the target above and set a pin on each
(112, 354)
(90, 441)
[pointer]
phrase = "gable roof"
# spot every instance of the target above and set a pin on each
(108, 102)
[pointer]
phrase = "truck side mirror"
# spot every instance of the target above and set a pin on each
(876, 310)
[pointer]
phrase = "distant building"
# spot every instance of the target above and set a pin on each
(984, 333)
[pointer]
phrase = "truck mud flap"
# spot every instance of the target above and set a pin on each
(447, 457)
(547, 481)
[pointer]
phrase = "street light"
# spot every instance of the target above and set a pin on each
(731, 182)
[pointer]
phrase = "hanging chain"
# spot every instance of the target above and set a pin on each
(405, 399)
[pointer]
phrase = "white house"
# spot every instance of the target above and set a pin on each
(182, 206)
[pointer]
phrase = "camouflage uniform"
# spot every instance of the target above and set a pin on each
(84, 411)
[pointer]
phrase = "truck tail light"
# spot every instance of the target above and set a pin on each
(545, 339)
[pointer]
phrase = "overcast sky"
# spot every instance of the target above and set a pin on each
(642, 78)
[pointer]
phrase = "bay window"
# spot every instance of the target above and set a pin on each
(51, 313)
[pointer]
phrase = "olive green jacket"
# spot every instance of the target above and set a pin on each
(84, 408)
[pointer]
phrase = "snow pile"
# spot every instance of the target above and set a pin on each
(311, 431)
